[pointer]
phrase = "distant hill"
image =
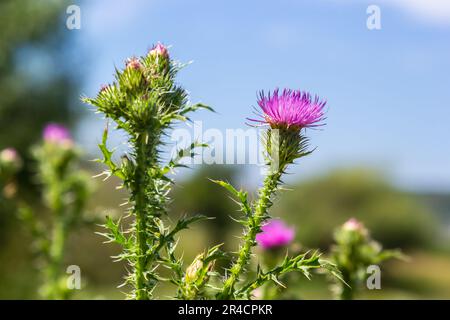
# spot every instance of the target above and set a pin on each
(439, 203)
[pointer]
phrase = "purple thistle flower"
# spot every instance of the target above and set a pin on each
(291, 108)
(56, 133)
(275, 234)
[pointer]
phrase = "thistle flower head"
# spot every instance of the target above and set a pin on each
(275, 234)
(291, 109)
(159, 50)
(56, 133)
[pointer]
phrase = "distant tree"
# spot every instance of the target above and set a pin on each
(395, 218)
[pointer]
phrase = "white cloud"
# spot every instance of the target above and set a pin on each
(432, 11)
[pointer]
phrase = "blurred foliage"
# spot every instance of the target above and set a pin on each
(198, 195)
(35, 76)
(38, 82)
(353, 253)
(66, 190)
(395, 218)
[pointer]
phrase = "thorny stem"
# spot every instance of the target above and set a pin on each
(58, 242)
(56, 254)
(145, 214)
(253, 228)
(139, 192)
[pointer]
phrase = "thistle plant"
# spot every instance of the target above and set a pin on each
(286, 115)
(145, 102)
(354, 251)
(65, 191)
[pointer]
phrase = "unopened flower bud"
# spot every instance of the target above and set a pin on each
(159, 50)
(133, 63)
(11, 159)
(354, 225)
(9, 155)
(103, 87)
(193, 270)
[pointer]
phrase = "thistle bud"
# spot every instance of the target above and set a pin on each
(353, 225)
(192, 272)
(133, 63)
(159, 50)
(10, 163)
(10, 156)
(103, 87)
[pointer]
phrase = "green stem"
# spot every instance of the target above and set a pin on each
(58, 240)
(141, 219)
(346, 292)
(253, 227)
(55, 263)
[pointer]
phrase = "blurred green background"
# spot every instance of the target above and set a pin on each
(40, 81)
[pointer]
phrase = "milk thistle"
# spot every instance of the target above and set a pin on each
(65, 190)
(285, 116)
(145, 102)
(353, 252)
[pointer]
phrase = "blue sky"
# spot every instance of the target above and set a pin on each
(387, 90)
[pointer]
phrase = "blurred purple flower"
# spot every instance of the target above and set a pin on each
(291, 108)
(56, 133)
(275, 234)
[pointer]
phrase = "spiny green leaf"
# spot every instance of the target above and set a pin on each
(107, 156)
(115, 234)
(185, 222)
